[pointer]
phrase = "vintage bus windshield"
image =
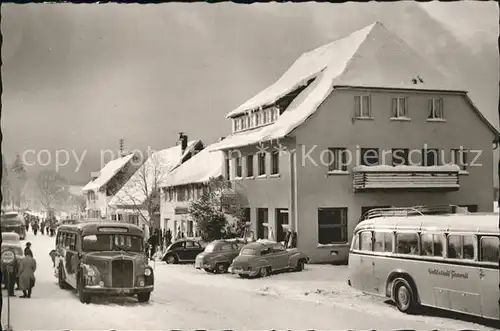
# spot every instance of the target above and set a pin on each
(112, 242)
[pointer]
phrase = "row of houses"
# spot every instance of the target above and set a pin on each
(360, 123)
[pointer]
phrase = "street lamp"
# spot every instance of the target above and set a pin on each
(8, 260)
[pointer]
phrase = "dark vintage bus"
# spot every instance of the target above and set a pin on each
(13, 222)
(101, 257)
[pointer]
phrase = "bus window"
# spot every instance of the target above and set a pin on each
(366, 241)
(407, 243)
(489, 249)
(461, 247)
(383, 242)
(355, 242)
(431, 244)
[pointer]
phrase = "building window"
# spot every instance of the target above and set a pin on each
(181, 193)
(407, 243)
(369, 156)
(399, 108)
(383, 241)
(362, 106)
(228, 169)
(459, 157)
(262, 163)
(432, 244)
(113, 217)
(262, 223)
(249, 165)
(257, 118)
(243, 123)
(332, 225)
(120, 217)
(246, 215)
(436, 108)
(237, 161)
(400, 156)
(337, 159)
(275, 163)
(282, 223)
(430, 157)
(461, 247)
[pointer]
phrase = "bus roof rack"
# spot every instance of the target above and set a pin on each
(413, 211)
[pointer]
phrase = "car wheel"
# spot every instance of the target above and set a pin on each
(208, 270)
(84, 297)
(264, 272)
(404, 297)
(143, 297)
(171, 259)
(300, 265)
(221, 268)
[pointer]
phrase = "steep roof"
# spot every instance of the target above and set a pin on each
(199, 169)
(156, 168)
(372, 57)
(107, 173)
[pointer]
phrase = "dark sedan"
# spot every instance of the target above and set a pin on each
(218, 255)
(183, 250)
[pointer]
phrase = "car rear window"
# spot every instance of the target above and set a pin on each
(249, 251)
(210, 248)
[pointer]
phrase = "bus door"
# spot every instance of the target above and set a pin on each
(463, 276)
(70, 257)
(366, 267)
(488, 275)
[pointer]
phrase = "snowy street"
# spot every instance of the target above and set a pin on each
(186, 298)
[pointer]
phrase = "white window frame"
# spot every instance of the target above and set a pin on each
(273, 165)
(236, 175)
(338, 153)
(401, 112)
(434, 112)
(362, 101)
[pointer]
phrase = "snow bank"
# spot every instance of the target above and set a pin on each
(405, 168)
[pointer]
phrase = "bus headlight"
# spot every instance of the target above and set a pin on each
(147, 272)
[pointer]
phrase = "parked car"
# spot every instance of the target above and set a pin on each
(263, 257)
(218, 255)
(10, 237)
(13, 222)
(183, 250)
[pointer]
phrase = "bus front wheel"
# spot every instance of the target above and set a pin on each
(404, 296)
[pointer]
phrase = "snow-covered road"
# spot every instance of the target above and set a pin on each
(185, 298)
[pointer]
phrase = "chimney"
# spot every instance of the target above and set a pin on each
(183, 139)
(94, 174)
(221, 138)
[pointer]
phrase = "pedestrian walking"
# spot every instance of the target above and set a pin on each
(27, 268)
(42, 227)
(35, 227)
(153, 242)
(27, 249)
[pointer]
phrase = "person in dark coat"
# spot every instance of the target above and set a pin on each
(26, 273)
(27, 249)
(287, 239)
(35, 227)
(153, 241)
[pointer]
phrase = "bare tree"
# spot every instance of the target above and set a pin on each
(141, 193)
(51, 189)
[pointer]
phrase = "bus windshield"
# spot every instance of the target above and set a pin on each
(112, 242)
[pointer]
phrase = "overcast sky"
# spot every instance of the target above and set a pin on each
(79, 77)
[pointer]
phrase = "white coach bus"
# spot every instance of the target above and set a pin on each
(419, 258)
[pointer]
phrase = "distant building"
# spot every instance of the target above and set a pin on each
(129, 204)
(105, 184)
(359, 123)
(183, 185)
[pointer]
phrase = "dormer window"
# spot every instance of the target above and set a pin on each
(264, 117)
(257, 119)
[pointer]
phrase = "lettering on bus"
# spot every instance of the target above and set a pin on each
(121, 230)
(448, 273)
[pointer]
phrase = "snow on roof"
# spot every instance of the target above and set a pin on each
(156, 168)
(370, 57)
(199, 169)
(107, 173)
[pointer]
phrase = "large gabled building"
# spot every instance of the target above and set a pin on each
(362, 122)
